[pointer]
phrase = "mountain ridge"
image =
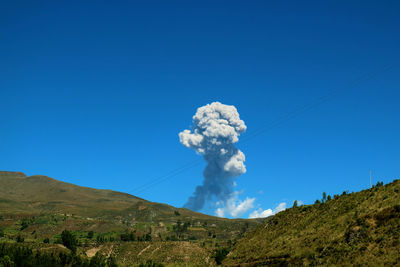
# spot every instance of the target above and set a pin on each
(19, 187)
(38, 208)
(356, 229)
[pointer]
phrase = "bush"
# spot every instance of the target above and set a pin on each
(128, 236)
(98, 260)
(24, 224)
(69, 240)
(111, 262)
(46, 240)
(20, 239)
(90, 235)
(6, 261)
(220, 255)
(17, 255)
(150, 263)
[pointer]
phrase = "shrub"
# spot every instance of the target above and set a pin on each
(150, 263)
(20, 239)
(90, 235)
(220, 255)
(69, 240)
(98, 260)
(24, 224)
(16, 255)
(6, 261)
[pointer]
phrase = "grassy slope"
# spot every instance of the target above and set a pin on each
(38, 194)
(50, 206)
(361, 229)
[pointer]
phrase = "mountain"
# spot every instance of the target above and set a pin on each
(20, 194)
(37, 209)
(37, 194)
(357, 229)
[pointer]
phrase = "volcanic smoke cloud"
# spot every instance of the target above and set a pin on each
(216, 128)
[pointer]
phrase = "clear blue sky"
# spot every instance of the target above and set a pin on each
(95, 93)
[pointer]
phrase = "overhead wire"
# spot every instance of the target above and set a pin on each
(269, 126)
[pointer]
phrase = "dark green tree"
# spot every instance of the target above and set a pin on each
(295, 204)
(20, 239)
(98, 260)
(90, 235)
(111, 262)
(69, 240)
(220, 255)
(323, 197)
(150, 263)
(24, 224)
(147, 237)
(6, 261)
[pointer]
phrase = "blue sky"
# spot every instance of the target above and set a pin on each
(95, 93)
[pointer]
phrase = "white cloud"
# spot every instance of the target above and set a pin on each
(280, 207)
(236, 209)
(220, 212)
(260, 213)
(234, 206)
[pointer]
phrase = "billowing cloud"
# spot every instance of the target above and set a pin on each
(234, 206)
(260, 213)
(216, 128)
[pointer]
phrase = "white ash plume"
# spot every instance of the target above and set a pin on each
(216, 128)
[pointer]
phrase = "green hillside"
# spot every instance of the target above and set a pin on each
(35, 210)
(357, 229)
(107, 228)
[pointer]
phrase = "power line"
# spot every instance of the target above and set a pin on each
(274, 124)
(169, 175)
(313, 104)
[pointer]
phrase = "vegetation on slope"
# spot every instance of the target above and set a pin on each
(45, 215)
(361, 229)
(24, 256)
